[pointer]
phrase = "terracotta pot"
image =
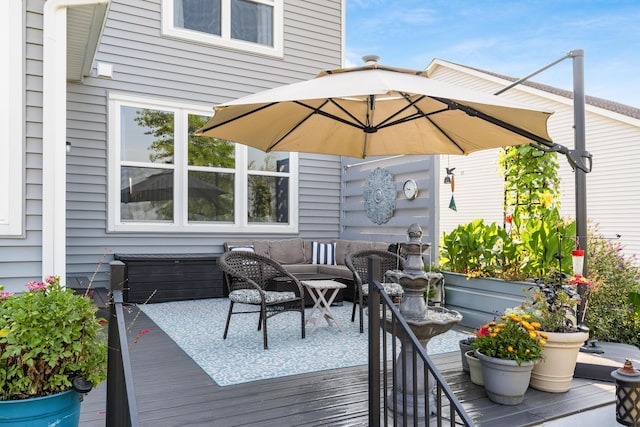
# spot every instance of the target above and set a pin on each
(504, 380)
(475, 368)
(555, 371)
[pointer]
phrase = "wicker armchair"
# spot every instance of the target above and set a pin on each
(250, 275)
(358, 263)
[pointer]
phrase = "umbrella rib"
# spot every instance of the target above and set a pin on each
(314, 110)
(475, 113)
(205, 129)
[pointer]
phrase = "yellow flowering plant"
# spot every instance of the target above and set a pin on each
(512, 337)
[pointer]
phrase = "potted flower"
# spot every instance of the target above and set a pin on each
(52, 349)
(508, 350)
(553, 303)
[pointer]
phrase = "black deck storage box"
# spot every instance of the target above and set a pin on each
(174, 277)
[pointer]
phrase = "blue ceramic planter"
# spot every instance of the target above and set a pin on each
(60, 410)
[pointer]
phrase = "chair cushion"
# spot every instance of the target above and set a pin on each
(392, 289)
(323, 253)
(252, 296)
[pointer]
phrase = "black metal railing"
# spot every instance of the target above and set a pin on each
(389, 401)
(122, 409)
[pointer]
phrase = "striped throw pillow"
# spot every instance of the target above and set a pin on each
(323, 253)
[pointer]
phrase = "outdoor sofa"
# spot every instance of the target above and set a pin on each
(296, 256)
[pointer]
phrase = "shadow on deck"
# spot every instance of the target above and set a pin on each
(172, 390)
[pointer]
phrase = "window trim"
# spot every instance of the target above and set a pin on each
(225, 40)
(180, 222)
(12, 119)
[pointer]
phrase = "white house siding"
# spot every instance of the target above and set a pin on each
(147, 64)
(612, 138)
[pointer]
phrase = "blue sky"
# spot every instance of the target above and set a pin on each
(513, 38)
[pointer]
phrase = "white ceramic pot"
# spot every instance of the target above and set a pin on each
(475, 368)
(555, 371)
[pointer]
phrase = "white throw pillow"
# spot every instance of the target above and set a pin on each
(323, 253)
(246, 248)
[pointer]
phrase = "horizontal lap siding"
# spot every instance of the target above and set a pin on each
(146, 64)
(20, 256)
(356, 224)
(612, 186)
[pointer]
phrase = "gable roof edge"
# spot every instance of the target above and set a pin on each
(614, 110)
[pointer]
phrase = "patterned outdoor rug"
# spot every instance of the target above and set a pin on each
(197, 326)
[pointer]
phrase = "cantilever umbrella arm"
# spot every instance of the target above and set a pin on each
(577, 159)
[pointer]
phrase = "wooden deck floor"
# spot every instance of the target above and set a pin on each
(172, 390)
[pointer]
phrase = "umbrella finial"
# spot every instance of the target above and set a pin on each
(370, 59)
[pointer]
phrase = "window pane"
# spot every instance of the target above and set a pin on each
(147, 135)
(211, 196)
(209, 152)
(146, 194)
(252, 22)
(198, 15)
(268, 199)
(273, 162)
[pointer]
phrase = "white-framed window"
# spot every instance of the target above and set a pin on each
(162, 178)
(11, 120)
(249, 25)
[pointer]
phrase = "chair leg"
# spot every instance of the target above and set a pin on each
(263, 316)
(353, 311)
(361, 314)
(260, 321)
(226, 326)
(304, 325)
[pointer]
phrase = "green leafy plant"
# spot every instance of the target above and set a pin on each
(613, 312)
(530, 242)
(48, 336)
(479, 249)
(512, 338)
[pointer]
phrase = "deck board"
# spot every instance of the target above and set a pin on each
(172, 390)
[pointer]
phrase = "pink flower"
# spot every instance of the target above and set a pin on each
(51, 279)
(4, 295)
(34, 286)
(483, 331)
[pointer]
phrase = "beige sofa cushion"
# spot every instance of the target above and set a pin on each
(287, 251)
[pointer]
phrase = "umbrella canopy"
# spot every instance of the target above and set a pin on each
(376, 110)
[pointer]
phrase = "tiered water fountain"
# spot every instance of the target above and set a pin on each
(426, 322)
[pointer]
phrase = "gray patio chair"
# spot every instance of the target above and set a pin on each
(250, 275)
(357, 262)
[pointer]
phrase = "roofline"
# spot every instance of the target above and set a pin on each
(611, 106)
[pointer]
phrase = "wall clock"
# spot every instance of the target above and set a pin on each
(410, 189)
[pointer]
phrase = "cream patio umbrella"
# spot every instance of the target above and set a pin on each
(376, 110)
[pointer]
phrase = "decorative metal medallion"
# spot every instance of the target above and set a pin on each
(380, 196)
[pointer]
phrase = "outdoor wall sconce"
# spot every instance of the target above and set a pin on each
(68, 147)
(627, 394)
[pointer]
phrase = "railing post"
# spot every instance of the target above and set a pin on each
(121, 408)
(373, 305)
